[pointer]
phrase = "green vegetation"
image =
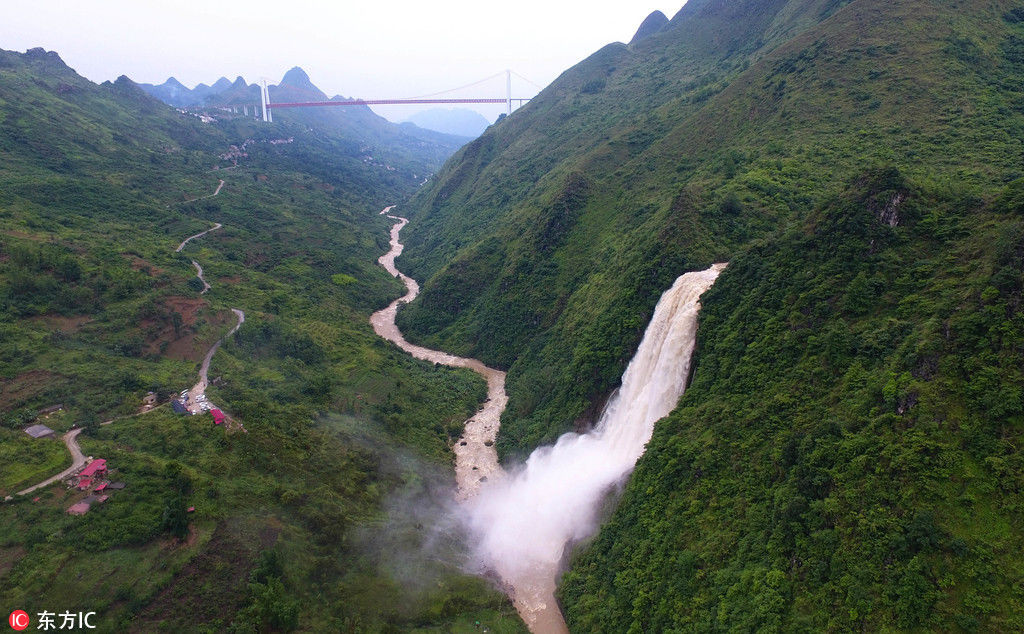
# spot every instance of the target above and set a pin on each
(545, 243)
(96, 191)
(847, 455)
(845, 458)
(27, 460)
(285, 489)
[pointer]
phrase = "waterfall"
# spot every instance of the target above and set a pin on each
(522, 522)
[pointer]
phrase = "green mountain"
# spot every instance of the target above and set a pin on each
(175, 93)
(651, 25)
(847, 455)
(379, 140)
(289, 519)
(172, 92)
(412, 151)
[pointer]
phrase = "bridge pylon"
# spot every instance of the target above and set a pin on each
(265, 99)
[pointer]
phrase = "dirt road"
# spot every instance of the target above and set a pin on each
(77, 462)
(199, 389)
(71, 438)
(215, 226)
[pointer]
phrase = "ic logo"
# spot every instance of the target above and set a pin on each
(18, 619)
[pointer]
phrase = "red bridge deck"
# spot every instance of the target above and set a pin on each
(384, 102)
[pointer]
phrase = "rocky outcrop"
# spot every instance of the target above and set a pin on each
(889, 214)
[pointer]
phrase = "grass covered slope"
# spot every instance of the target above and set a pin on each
(295, 523)
(846, 456)
(545, 253)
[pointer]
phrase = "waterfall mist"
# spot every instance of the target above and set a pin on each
(522, 522)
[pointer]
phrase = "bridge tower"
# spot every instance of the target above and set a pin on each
(265, 99)
(508, 86)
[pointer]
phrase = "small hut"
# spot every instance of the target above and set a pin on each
(39, 431)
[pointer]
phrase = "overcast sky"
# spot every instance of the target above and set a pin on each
(367, 49)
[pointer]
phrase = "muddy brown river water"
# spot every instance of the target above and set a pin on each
(476, 460)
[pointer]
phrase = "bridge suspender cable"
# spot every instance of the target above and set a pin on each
(463, 87)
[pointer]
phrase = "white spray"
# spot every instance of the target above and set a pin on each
(523, 521)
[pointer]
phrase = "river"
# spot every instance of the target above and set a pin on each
(522, 522)
(476, 460)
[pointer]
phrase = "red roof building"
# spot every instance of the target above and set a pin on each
(218, 416)
(96, 467)
(100, 487)
(84, 484)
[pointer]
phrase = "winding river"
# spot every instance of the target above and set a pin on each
(522, 521)
(476, 460)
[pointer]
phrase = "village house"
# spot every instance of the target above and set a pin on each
(39, 431)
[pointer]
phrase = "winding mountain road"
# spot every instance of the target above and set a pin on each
(194, 403)
(215, 226)
(199, 275)
(200, 387)
(78, 460)
(192, 200)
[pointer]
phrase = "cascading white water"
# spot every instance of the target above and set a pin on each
(522, 522)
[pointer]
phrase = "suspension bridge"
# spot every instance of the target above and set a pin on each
(269, 106)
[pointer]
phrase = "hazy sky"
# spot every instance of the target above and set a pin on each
(367, 49)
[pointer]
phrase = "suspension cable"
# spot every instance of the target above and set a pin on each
(434, 94)
(535, 84)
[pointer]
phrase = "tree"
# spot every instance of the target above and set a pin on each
(89, 420)
(175, 519)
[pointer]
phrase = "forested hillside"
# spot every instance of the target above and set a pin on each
(287, 519)
(693, 146)
(846, 457)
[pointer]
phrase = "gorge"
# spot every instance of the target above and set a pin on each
(520, 522)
